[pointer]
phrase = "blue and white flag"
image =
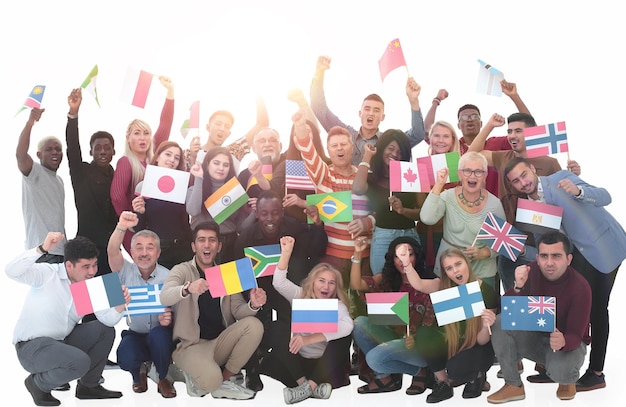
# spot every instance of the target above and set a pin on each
(144, 300)
(457, 303)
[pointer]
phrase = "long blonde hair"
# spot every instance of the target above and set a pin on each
(307, 283)
(472, 325)
(137, 167)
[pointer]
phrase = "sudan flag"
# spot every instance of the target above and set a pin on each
(388, 308)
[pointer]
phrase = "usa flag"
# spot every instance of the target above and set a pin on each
(545, 140)
(296, 176)
(533, 313)
(501, 236)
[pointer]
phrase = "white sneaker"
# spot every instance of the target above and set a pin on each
(238, 379)
(297, 394)
(192, 388)
(231, 390)
(322, 391)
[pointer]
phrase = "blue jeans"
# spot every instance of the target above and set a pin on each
(136, 348)
(380, 245)
(384, 349)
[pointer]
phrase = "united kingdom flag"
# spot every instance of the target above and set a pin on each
(541, 305)
(501, 236)
(545, 140)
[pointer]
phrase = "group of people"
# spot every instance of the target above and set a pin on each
(417, 243)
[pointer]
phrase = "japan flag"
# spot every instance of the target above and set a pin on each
(165, 183)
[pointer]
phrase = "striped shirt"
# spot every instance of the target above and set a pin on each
(327, 179)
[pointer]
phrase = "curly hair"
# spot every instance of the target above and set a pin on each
(390, 273)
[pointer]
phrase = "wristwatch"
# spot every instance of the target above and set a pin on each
(186, 288)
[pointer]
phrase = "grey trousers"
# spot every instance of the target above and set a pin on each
(510, 346)
(81, 355)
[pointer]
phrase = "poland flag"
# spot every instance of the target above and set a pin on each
(136, 87)
(165, 183)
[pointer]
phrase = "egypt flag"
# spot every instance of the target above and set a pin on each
(546, 140)
(96, 294)
(165, 184)
(264, 259)
(230, 278)
(388, 308)
(226, 200)
(136, 87)
(314, 315)
(332, 206)
(537, 217)
(428, 166)
(404, 177)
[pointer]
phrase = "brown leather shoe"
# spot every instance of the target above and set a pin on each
(142, 386)
(166, 388)
(566, 391)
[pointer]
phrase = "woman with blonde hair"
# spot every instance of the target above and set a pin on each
(464, 354)
(139, 150)
(310, 364)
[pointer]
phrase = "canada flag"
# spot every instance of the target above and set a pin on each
(165, 183)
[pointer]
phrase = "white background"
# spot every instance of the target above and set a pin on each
(564, 57)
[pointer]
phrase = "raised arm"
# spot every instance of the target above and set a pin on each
(74, 155)
(478, 145)
(318, 100)
(432, 112)
(417, 132)
(24, 160)
(167, 114)
(262, 120)
(356, 279)
(127, 220)
(510, 89)
(359, 185)
(297, 96)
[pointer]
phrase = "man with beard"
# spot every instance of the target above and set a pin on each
(267, 147)
(271, 224)
(214, 337)
(43, 191)
(598, 240)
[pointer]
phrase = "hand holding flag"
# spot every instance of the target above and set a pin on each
(34, 98)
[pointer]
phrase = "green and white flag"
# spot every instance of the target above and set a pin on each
(90, 83)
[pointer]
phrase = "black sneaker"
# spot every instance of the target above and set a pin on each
(590, 381)
(442, 391)
(40, 397)
(474, 388)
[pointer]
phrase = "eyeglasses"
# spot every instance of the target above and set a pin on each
(465, 117)
(477, 173)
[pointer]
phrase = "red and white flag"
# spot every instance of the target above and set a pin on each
(546, 140)
(404, 177)
(136, 87)
(537, 216)
(165, 184)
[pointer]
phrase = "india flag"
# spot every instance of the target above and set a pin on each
(230, 278)
(388, 308)
(226, 200)
(96, 294)
(429, 165)
(314, 315)
(136, 87)
(404, 177)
